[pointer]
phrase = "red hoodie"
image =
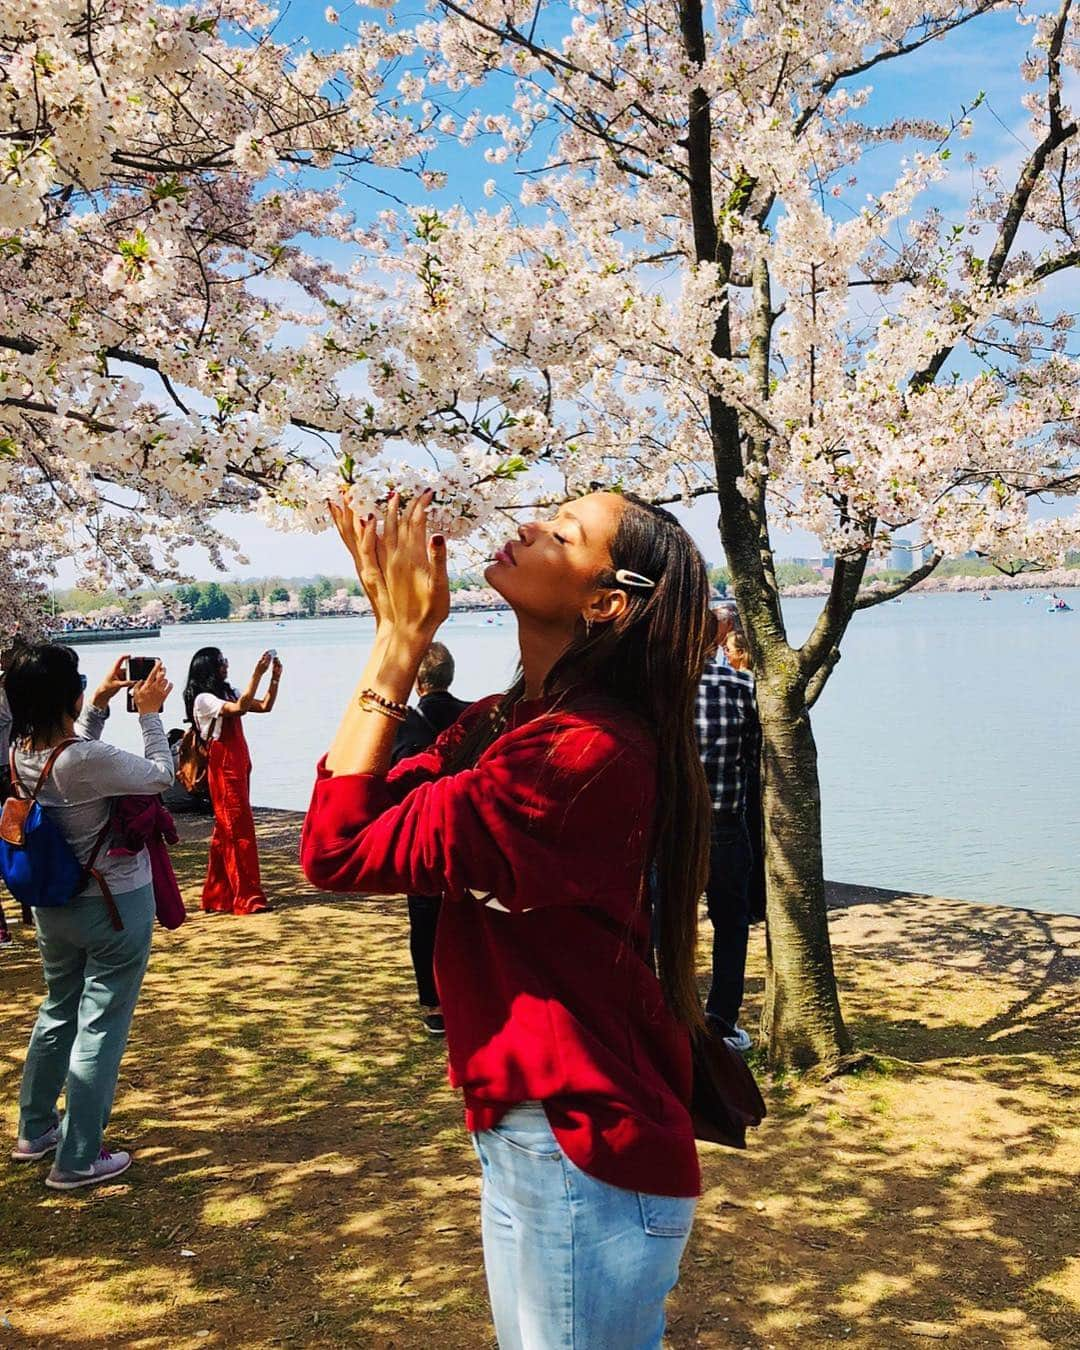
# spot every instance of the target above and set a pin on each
(541, 954)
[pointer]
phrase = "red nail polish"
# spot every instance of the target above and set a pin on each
(438, 540)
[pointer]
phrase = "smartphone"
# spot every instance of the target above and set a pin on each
(272, 653)
(138, 669)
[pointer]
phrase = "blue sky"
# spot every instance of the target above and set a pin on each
(934, 83)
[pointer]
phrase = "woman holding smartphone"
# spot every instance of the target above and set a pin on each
(94, 953)
(539, 816)
(233, 881)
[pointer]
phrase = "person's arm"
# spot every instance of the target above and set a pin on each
(405, 579)
(237, 707)
(266, 703)
(116, 772)
(530, 824)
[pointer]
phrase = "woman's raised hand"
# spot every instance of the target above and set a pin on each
(403, 572)
(149, 695)
(111, 685)
(350, 527)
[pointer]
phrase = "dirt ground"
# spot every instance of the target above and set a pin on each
(302, 1176)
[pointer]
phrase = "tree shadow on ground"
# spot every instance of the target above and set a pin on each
(295, 1134)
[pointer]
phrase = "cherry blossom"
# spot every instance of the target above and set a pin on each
(160, 347)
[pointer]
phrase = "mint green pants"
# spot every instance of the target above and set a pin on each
(93, 975)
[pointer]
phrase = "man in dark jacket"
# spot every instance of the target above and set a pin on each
(729, 740)
(436, 710)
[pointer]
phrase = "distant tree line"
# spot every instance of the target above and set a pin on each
(205, 600)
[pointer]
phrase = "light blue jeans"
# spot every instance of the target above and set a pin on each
(93, 975)
(572, 1263)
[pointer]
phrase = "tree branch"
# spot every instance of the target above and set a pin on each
(1057, 135)
(890, 54)
(816, 683)
(835, 616)
(870, 598)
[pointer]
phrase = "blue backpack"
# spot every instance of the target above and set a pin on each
(36, 861)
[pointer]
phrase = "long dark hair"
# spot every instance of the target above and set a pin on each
(650, 659)
(204, 677)
(43, 686)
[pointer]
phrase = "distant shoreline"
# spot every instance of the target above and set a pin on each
(1058, 579)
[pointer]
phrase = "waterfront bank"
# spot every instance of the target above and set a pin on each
(295, 1134)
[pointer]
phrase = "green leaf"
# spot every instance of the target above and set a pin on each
(510, 468)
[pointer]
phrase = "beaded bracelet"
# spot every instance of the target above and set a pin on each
(371, 701)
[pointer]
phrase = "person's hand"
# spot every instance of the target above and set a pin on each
(149, 695)
(408, 570)
(275, 670)
(262, 665)
(349, 525)
(111, 685)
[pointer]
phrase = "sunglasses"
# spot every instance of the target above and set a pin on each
(82, 681)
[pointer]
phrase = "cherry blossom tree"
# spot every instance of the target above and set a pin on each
(160, 352)
(689, 297)
(684, 301)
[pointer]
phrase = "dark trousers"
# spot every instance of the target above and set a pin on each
(423, 919)
(731, 863)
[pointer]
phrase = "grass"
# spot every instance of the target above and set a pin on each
(295, 1133)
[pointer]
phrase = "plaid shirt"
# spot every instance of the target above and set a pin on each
(729, 734)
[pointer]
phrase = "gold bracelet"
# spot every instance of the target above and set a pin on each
(373, 696)
(370, 701)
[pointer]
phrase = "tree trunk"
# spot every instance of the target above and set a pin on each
(801, 1025)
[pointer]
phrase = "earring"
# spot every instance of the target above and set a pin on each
(588, 629)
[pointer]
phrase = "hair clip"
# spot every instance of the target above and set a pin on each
(626, 578)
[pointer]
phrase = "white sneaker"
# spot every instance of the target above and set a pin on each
(739, 1040)
(33, 1150)
(107, 1166)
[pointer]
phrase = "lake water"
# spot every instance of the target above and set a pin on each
(948, 735)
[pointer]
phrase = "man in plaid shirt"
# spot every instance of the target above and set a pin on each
(729, 738)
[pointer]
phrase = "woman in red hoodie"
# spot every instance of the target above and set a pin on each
(539, 816)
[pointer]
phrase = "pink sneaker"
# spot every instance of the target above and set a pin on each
(33, 1150)
(107, 1166)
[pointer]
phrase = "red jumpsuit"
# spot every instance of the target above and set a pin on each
(233, 884)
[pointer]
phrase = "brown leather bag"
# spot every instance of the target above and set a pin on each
(17, 806)
(193, 761)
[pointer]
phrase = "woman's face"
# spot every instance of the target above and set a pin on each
(223, 667)
(548, 572)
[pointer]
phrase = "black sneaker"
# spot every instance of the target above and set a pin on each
(434, 1024)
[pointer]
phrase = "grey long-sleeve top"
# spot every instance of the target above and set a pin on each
(78, 795)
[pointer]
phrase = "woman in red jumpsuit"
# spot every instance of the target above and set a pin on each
(233, 883)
